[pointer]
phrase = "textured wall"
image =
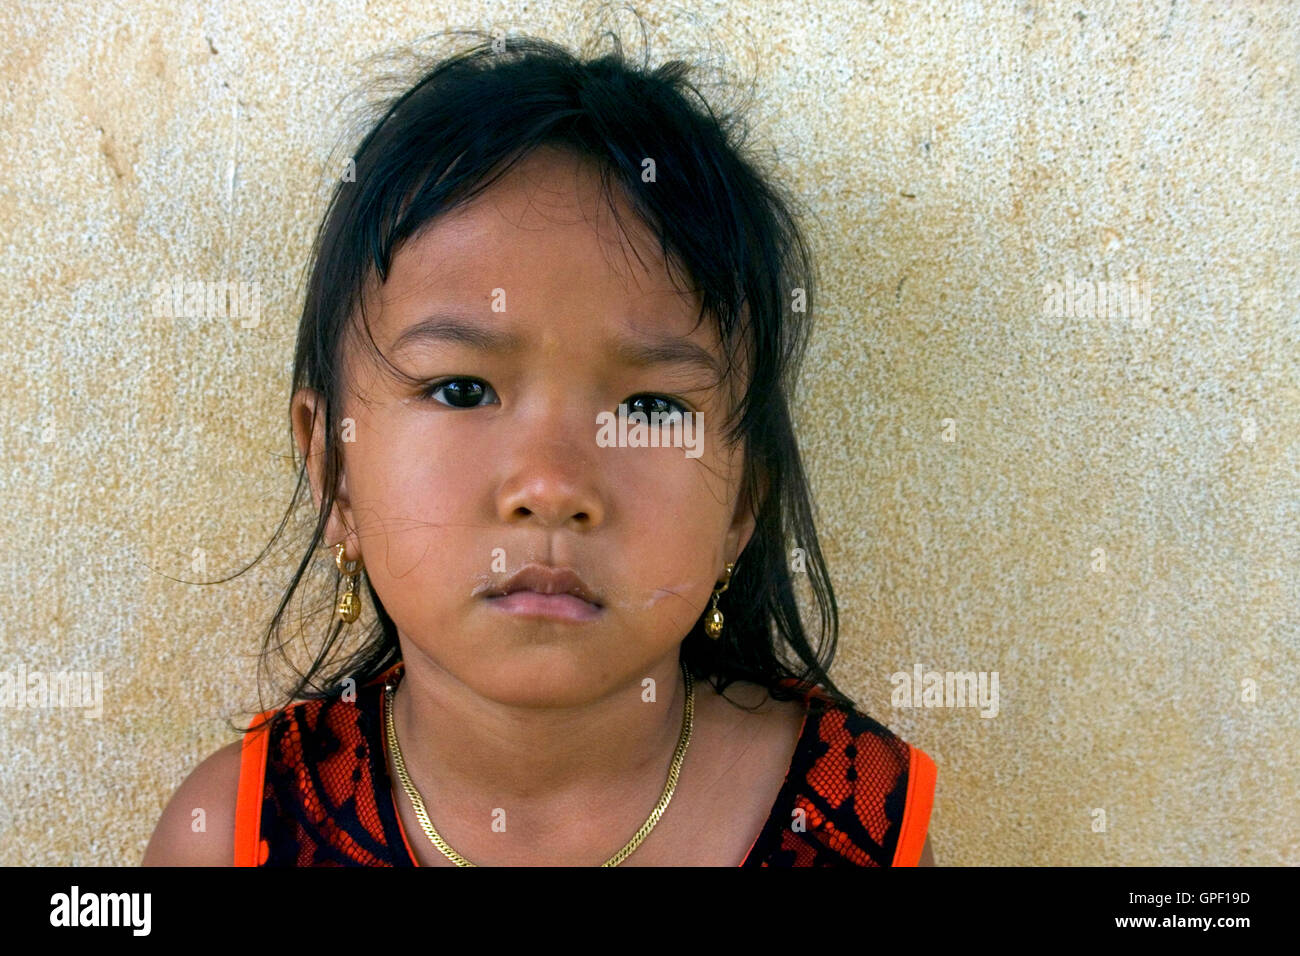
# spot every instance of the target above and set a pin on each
(1098, 505)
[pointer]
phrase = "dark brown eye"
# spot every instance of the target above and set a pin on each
(461, 392)
(649, 404)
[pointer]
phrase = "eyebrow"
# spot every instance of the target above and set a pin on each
(636, 352)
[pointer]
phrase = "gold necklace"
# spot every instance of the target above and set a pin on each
(683, 741)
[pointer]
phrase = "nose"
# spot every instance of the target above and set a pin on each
(552, 479)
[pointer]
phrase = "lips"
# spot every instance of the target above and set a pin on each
(566, 608)
(543, 579)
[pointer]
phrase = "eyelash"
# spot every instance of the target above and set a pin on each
(428, 394)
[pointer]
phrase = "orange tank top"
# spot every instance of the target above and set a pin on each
(314, 790)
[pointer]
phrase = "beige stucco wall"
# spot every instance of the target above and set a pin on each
(1101, 509)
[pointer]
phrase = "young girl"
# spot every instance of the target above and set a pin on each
(542, 393)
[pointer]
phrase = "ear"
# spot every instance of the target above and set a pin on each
(308, 416)
(745, 519)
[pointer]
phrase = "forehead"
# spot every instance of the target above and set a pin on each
(542, 248)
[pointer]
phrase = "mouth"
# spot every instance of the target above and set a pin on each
(539, 590)
(545, 579)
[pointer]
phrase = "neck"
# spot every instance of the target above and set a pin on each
(466, 752)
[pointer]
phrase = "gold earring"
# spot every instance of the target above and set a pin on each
(713, 623)
(349, 608)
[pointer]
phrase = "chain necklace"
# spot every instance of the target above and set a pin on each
(683, 740)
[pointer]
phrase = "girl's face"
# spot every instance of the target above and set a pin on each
(493, 461)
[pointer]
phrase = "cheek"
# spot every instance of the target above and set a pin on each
(413, 510)
(683, 503)
(670, 521)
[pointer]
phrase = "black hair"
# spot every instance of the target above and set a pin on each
(728, 227)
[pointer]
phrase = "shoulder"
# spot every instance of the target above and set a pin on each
(197, 828)
(860, 793)
(227, 787)
(892, 781)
